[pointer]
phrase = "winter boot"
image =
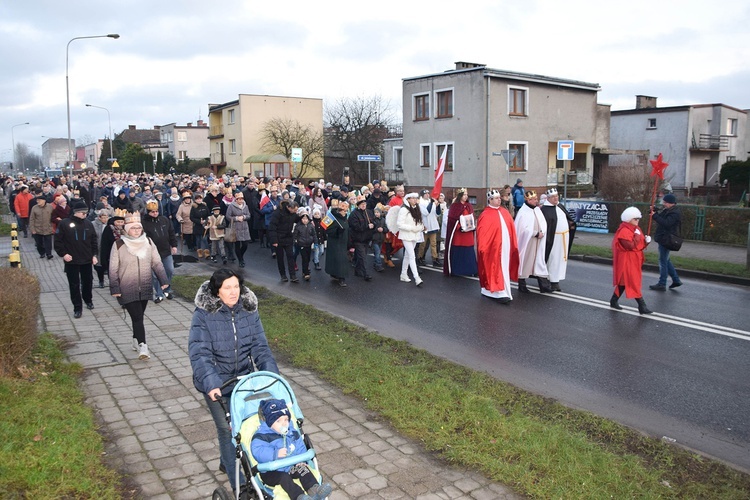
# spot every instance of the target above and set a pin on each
(613, 302)
(544, 285)
(522, 286)
(642, 308)
(556, 287)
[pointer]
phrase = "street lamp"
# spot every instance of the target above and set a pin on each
(67, 87)
(13, 138)
(111, 150)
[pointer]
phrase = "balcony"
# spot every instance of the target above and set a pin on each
(216, 131)
(218, 159)
(709, 142)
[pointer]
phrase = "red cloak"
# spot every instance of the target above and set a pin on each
(489, 249)
(627, 259)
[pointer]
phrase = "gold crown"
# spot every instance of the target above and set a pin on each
(460, 191)
(134, 218)
(119, 212)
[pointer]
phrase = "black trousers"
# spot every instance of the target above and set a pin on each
(360, 258)
(80, 282)
(43, 244)
(286, 252)
(286, 479)
(305, 252)
(137, 310)
(240, 247)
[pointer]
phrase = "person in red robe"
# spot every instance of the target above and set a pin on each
(460, 258)
(627, 260)
(497, 250)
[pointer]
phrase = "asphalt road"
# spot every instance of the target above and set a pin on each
(681, 373)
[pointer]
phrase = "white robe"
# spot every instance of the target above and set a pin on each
(530, 248)
(557, 263)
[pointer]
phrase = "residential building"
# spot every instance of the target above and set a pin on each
(476, 113)
(55, 153)
(696, 140)
(186, 141)
(236, 130)
(149, 139)
(92, 153)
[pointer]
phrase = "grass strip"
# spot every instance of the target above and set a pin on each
(535, 445)
(689, 263)
(49, 446)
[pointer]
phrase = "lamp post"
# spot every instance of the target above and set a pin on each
(111, 150)
(67, 86)
(13, 138)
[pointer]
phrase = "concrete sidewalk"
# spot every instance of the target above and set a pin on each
(161, 436)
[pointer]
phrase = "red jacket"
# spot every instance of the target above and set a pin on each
(627, 259)
(21, 204)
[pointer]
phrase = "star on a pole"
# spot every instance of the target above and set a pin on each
(658, 166)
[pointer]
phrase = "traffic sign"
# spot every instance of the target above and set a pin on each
(565, 150)
(297, 155)
(368, 158)
(115, 164)
(509, 155)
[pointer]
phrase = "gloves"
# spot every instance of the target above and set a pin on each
(648, 239)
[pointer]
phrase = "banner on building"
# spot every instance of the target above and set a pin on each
(590, 215)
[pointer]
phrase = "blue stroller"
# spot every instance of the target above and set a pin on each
(244, 418)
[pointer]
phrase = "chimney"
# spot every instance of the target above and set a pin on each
(157, 127)
(190, 124)
(468, 65)
(201, 123)
(131, 127)
(645, 102)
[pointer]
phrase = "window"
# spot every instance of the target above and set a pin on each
(652, 123)
(731, 158)
(732, 126)
(231, 116)
(232, 146)
(444, 103)
(398, 158)
(421, 107)
(424, 155)
(519, 162)
(517, 101)
(448, 157)
(181, 136)
(181, 155)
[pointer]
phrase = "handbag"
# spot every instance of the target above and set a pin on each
(230, 235)
(673, 242)
(467, 222)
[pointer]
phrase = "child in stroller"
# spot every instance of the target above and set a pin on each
(282, 457)
(275, 439)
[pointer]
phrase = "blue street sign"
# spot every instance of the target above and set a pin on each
(565, 150)
(368, 158)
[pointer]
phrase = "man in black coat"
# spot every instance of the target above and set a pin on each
(160, 230)
(361, 226)
(669, 220)
(280, 236)
(76, 242)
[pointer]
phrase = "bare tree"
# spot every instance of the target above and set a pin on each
(280, 135)
(628, 183)
(355, 126)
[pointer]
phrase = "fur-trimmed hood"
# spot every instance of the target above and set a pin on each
(210, 303)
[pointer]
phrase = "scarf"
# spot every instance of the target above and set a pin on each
(137, 246)
(240, 206)
(228, 199)
(175, 197)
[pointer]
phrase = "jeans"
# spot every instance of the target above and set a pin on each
(317, 252)
(168, 262)
(226, 444)
(377, 257)
(666, 267)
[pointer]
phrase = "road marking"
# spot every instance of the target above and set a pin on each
(633, 311)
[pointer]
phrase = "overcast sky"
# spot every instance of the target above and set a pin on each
(173, 59)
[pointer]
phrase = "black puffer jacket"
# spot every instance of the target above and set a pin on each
(281, 226)
(225, 342)
(161, 232)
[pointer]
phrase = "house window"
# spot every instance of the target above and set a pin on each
(231, 116)
(448, 157)
(181, 155)
(518, 101)
(398, 158)
(232, 146)
(732, 126)
(444, 103)
(181, 136)
(519, 162)
(652, 123)
(421, 107)
(731, 158)
(424, 155)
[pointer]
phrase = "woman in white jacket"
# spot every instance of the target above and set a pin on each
(410, 232)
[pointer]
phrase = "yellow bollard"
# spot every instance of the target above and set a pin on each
(15, 259)
(13, 234)
(14, 225)
(15, 245)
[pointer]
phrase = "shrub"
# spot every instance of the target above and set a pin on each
(626, 183)
(19, 309)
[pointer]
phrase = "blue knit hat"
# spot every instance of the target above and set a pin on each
(272, 409)
(670, 198)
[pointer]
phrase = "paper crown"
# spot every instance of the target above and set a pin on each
(551, 192)
(530, 194)
(492, 194)
(119, 212)
(460, 191)
(134, 218)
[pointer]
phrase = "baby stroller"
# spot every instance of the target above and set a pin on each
(244, 418)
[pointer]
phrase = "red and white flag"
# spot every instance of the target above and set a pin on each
(264, 200)
(439, 174)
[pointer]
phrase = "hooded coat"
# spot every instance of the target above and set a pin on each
(130, 275)
(226, 342)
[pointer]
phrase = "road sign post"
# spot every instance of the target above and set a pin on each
(508, 155)
(368, 159)
(565, 153)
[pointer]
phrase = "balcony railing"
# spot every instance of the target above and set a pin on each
(711, 142)
(217, 158)
(216, 131)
